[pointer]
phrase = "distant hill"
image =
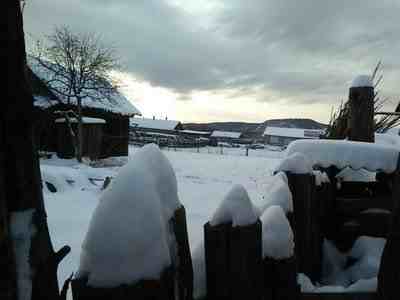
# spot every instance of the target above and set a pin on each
(255, 129)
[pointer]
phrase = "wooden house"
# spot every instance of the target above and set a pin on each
(280, 136)
(115, 111)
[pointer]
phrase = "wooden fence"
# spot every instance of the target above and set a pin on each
(235, 268)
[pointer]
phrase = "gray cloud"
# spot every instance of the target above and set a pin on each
(305, 51)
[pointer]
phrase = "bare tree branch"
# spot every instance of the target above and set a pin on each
(78, 67)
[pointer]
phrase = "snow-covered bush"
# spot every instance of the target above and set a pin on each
(129, 237)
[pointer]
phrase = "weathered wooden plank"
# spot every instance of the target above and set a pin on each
(306, 223)
(162, 289)
(364, 189)
(216, 242)
(246, 261)
(280, 279)
(339, 296)
(355, 206)
(377, 226)
(389, 272)
(233, 261)
(184, 268)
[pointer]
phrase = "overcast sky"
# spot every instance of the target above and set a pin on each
(236, 60)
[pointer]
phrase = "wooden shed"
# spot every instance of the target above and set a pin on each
(92, 137)
(115, 111)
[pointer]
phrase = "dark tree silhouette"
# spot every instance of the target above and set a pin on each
(20, 180)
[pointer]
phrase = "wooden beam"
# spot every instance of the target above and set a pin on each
(388, 113)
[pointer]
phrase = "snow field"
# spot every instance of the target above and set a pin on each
(203, 181)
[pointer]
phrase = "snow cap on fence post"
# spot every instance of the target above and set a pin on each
(277, 235)
(129, 227)
(277, 193)
(296, 163)
(362, 81)
(236, 208)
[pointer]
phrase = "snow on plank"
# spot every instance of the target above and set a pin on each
(356, 155)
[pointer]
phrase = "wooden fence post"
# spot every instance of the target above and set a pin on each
(162, 289)
(280, 279)
(308, 243)
(233, 261)
(175, 283)
(184, 268)
(361, 117)
(389, 271)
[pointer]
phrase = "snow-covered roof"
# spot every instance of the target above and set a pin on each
(116, 104)
(293, 132)
(154, 123)
(342, 154)
(85, 120)
(227, 134)
(195, 132)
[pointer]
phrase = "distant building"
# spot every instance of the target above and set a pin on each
(195, 133)
(160, 131)
(156, 125)
(225, 137)
(280, 136)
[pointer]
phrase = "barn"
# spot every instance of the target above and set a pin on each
(220, 136)
(115, 112)
(280, 136)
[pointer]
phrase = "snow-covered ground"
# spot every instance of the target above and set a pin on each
(203, 181)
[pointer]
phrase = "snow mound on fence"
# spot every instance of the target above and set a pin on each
(277, 235)
(320, 177)
(360, 286)
(129, 237)
(388, 139)
(366, 252)
(236, 208)
(362, 175)
(297, 163)
(355, 270)
(277, 193)
(357, 155)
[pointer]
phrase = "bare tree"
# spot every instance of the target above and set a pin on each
(78, 67)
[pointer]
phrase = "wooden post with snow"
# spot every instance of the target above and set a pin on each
(305, 219)
(233, 250)
(233, 261)
(279, 260)
(149, 256)
(184, 268)
(361, 117)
